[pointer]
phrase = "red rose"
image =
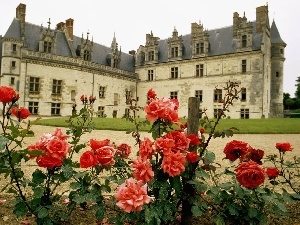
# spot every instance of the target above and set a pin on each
(192, 157)
(21, 113)
(283, 147)
(124, 150)
(194, 139)
(58, 148)
(255, 155)
(8, 94)
(48, 162)
(88, 159)
(272, 173)
(151, 94)
(173, 163)
(95, 144)
(202, 131)
(105, 155)
(181, 141)
(250, 174)
(235, 149)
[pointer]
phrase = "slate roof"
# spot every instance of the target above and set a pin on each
(32, 37)
(221, 42)
(275, 36)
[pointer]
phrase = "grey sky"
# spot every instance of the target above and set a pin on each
(131, 20)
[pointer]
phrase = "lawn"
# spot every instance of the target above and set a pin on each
(251, 126)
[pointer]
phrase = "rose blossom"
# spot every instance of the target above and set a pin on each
(181, 141)
(151, 94)
(192, 157)
(124, 150)
(8, 94)
(235, 149)
(105, 155)
(164, 144)
(88, 159)
(143, 170)
(132, 195)
(250, 174)
(58, 148)
(95, 144)
(146, 149)
(194, 139)
(255, 155)
(272, 172)
(284, 147)
(173, 163)
(48, 161)
(21, 113)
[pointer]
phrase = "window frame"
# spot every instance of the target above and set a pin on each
(245, 114)
(243, 94)
(33, 107)
(151, 55)
(174, 52)
(55, 108)
(244, 41)
(218, 95)
(102, 91)
(150, 75)
(173, 94)
(34, 85)
(56, 87)
(101, 111)
(200, 70)
(244, 66)
(47, 46)
(199, 94)
(174, 72)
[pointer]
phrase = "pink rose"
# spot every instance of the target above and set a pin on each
(58, 148)
(95, 144)
(132, 195)
(143, 170)
(173, 163)
(146, 149)
(181, 141)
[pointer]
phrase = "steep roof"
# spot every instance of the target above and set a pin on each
(32, 37)
(221, 42)
(275, 36)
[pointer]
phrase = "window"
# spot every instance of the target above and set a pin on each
(199, 70)
(217, 112)
(101, 111)
(200, 48)
(244, 113)
(12, 80)
(73, 95)
(101, 92)
(56, 87)
(243, 94)
(128, 97)
(150, 75)
(282, 51)
(33, 107)
(198, 94)
(150, 55)
(244, 41)
(174, 94)
(217, 95)
(115, 112)
(86, 55)
(127, 112)
(277, 73)
(174, 52)
(34, 85)
(200, 113)
(47, 46)
(13, 64)
(174, 72)
(244, 66)
(14, 47)
(55, 108)
(116, 98)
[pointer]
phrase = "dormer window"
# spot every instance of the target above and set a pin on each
(151, 56)
(244, 41)
(14, 47)
(86, 55)
(174, 52)
(47, 46)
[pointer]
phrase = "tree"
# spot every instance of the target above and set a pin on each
(297, 93)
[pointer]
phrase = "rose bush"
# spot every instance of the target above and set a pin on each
(172, 176)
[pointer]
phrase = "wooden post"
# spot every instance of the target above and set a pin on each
(193, 115)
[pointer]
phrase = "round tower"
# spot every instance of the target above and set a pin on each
(277, 65)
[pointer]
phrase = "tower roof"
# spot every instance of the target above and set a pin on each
(275, 36)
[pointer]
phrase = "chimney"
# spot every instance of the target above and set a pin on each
(69, 27)
(262, 19)
(60, 26)
(132, 52)
(236, 22)
(20, 14)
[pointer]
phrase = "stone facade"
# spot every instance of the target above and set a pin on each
(51, 69)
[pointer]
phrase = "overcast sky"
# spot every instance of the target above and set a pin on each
(131, 20)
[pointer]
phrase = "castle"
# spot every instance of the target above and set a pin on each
(52, 68)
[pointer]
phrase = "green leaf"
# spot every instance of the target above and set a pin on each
(232, 210)
(196, 211)
(296, 196)
(67, 171)
(219, 220)
(100, 213)
(226, 186)
(3, 142)
(20, 209)
(176, 183)
(252, 213)
(202, 174)
(42, 213)
(209, 157)
(75, 185)
(38, 177)
(38, 192)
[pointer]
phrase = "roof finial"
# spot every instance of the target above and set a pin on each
(49, 23)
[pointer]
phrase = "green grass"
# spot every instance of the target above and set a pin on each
(251, 126)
